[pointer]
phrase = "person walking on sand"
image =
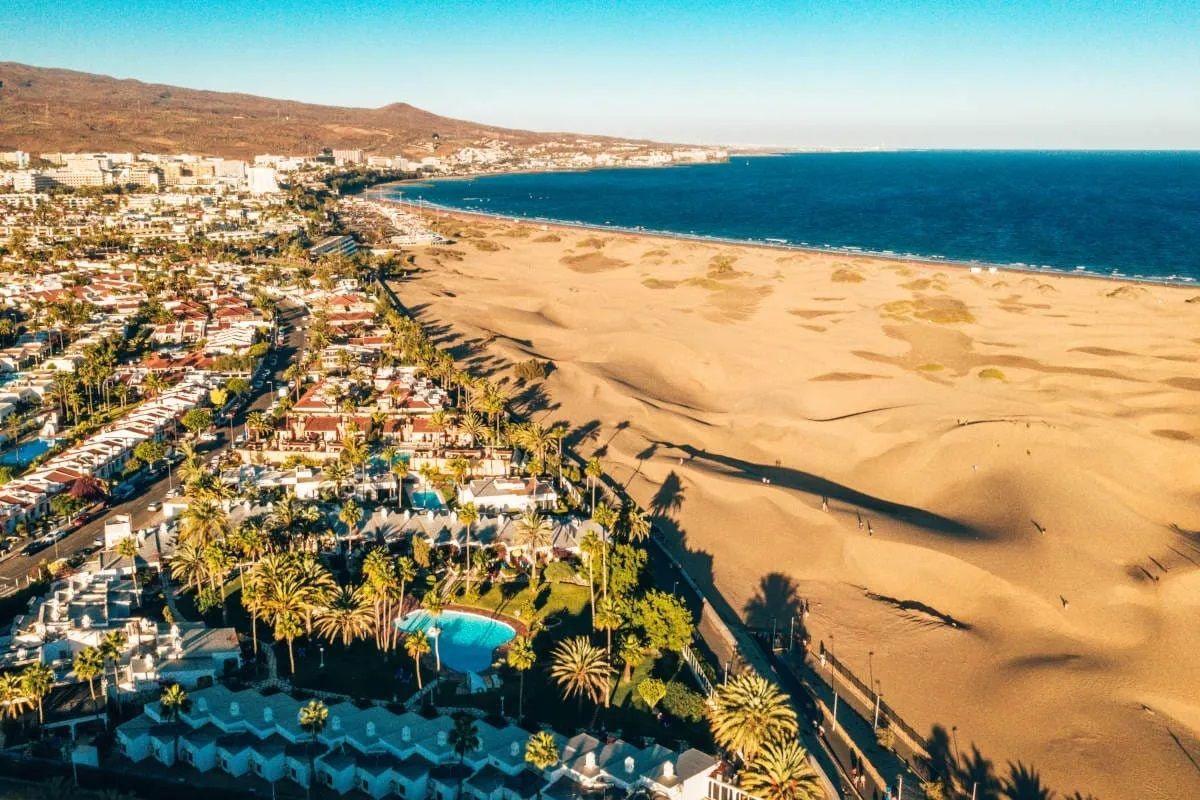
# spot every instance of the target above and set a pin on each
(858, 515)
(825, 504)
(870, 530)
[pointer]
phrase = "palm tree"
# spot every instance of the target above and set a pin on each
(607, 618)
(348, 616)
(542, 751)
(605, 517)
(204, 521)
(88, 666)
(464, 736)
(188, 565)
(381, 588)
(468, 514)
(416, 644)
(521, 657)
(338, 473)
(257, 423)
(748, 711)
(593, 470)
(637, 524)
(631, 652)
(13, 698)
(128, 548)
(533, 533)
(781, 771)
(312, 717)
(350, 515)
(111, 647)
(36, 681)
(580, 669)
(173, 701)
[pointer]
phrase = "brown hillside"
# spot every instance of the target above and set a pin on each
(49, 110)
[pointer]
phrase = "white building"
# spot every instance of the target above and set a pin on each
(84, 608)
(261, 180)
(508, 494)
(406, 755)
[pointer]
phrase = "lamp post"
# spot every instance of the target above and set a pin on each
(321, 648)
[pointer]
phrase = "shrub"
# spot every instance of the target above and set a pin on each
(682, 702)
(533, 370)
(558, 572)
(651, 691)
(991, 373)
(844, 275)
(886, 738)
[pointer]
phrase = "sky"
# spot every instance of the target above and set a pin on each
(1016, 74)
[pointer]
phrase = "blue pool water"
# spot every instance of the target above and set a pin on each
(466, 642)
(426, 500)
(24, 453)
(1133, 212)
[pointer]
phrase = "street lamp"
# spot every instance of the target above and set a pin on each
(321, 648)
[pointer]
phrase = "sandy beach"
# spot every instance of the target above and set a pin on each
(990, 481)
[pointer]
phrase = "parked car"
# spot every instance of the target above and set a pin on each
(36, 546)
(154, 505)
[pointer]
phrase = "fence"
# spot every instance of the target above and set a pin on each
(887, 714)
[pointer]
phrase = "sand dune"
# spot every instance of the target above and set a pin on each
(1026, 449)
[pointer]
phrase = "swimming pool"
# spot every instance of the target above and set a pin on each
(24, 453)
(466, 642)
(426, 499)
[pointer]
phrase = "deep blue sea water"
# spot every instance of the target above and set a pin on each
(1133, 212)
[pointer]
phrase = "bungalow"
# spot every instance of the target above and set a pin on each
(387, 754)
(508, 494)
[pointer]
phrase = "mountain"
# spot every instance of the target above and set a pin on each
(50, 110)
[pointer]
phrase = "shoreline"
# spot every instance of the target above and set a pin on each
(858, 253)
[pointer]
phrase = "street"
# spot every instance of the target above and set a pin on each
(20, 568)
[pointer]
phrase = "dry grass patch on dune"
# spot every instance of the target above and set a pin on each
(659, 283)
(518, 232)
(658, 252)
(1127, 292)
(991, 374)
(931, 367)
(846, 376)
(444, 253)
(593, 262)
(942, 310)
(721, 267)
(548, 238)
(594, 242)
(487, 245)
(922, 284)
(845, 275)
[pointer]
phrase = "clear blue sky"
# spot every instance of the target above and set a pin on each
(838, 73)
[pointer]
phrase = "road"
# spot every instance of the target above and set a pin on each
(20, 568)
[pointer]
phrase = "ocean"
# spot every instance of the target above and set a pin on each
(1132, 214)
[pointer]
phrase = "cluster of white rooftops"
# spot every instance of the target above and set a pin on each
(408, 754)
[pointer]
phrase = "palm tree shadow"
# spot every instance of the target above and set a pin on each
(777, 600)
(1024, 783)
